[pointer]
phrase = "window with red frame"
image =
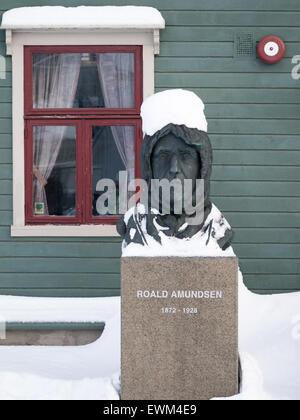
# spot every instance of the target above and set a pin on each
(82, 124)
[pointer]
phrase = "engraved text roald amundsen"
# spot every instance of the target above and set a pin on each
(181, 294)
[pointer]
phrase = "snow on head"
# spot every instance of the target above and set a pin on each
(177, 106)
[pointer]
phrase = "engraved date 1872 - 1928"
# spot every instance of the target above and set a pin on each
(172, 310)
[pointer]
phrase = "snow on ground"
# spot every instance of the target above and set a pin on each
(269, 335)
(252, 387)
(269, 330)
(25, 386)
(62, 372)
(27, 309)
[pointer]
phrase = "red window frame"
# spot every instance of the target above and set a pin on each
(28, 77)
(83, 119)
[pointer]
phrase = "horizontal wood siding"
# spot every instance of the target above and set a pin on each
(253, 112)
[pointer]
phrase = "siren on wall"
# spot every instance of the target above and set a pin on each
(271, 49)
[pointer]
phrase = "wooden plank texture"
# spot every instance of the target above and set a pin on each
(209, 80)
(240, 95)
(232, 18)
(253, 114)
(255, 142)
(225, 33)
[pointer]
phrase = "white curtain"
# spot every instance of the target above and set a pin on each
(55, 83)
(116, 74)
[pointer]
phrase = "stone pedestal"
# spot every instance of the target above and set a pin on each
(179, 328)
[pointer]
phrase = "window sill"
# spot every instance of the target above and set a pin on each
(64, 231)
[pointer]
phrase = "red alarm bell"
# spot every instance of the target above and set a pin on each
(271, 49)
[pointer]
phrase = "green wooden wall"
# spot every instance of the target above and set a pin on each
(253, 111)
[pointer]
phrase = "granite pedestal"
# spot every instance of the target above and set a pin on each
(179, 328)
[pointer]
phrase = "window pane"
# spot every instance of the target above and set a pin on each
(54, 171)
(113, 151)
(83, 80)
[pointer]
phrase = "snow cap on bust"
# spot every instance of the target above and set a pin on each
(176, 106)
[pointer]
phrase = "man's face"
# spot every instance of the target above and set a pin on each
(172, 158)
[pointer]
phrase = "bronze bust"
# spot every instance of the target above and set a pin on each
(174, 152)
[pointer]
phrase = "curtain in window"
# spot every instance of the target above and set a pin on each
(55, 84)
(116, 75)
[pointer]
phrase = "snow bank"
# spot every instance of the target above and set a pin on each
(100, 359)
(175, 106)
(269, 330)
(27, 309)
(269, 343)
(252, 383)
(83, 17)
(21, 386)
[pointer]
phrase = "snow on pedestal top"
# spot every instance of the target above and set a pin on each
(83, 17)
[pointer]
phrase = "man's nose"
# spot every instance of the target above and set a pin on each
(174, 167)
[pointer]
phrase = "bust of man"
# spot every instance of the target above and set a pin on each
(175, 152)
(173, 159)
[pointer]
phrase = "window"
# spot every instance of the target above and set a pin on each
(82, 125)
(58, 137)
